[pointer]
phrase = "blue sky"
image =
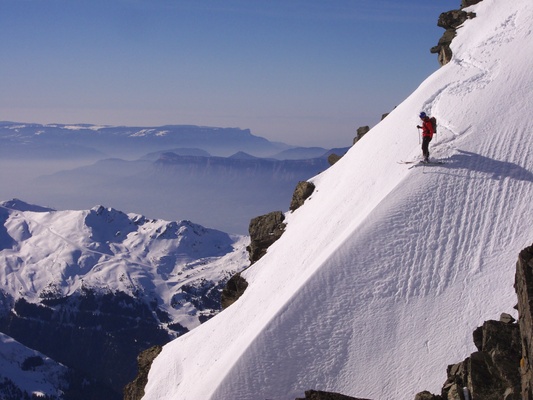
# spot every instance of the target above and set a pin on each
(302, 72)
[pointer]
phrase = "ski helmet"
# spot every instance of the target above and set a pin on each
(422, 115)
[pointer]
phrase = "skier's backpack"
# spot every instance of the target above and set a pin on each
(433, 121)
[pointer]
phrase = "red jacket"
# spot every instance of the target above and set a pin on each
(427, 128)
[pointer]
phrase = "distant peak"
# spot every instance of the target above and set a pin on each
(241, 155)
(19, 205)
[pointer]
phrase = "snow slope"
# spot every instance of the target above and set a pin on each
(381, 277)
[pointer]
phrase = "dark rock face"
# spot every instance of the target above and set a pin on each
(233, 290)
(135, 389)
(451, 21)
(492, 372)
(301, 193)
(320, 395)
(333, 158)
(502, 366)
(361, 131)
(264, 230)
(524, 291)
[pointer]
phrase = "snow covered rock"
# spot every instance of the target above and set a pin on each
(303, 190)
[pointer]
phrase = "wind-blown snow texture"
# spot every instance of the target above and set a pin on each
(382, 275)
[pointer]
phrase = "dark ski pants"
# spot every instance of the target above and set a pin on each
(425, 146)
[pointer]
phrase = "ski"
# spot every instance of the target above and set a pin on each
(420, 162)
(408, 162)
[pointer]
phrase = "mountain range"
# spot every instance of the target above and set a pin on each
(92, 288)
(30, 140)
(220, 178)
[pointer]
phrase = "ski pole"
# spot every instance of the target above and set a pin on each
(418, 129)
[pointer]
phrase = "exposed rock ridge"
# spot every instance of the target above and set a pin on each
(451, 21)
(524, 291)
(264, 231)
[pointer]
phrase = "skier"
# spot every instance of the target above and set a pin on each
(427, 134)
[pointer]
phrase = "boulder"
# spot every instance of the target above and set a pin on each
(301, 193)
(264, 231)
(507, 318)
(333, 158)
(234, 289)
(361, 131)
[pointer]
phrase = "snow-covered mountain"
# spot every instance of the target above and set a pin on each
(380, 278)
(93, 288)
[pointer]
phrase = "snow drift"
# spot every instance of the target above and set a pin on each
(382, 275)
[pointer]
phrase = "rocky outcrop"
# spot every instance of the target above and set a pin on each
(135, 390)
(233, 290)
(524, 291)
(492, 372)
(361, 131)
(301, 193)
(320, 395)
(333, 158)
(451, 21)
(502, 368)
(264, 230)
